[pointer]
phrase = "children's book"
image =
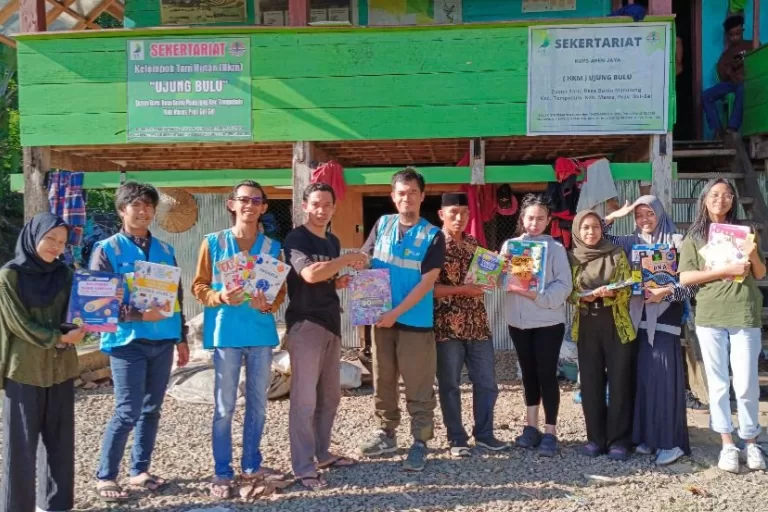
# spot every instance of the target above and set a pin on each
(612, 286)
(485, 268)
(253, 274)
(155, 286)
(659, 268)
(527, 264)
(370, 295)
(635, 263)
(725, 246)
(93, 305)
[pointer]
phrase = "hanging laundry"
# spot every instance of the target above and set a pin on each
(482, 205)
(597, 188)
(65, 198)
(331, 173)
(563, 194)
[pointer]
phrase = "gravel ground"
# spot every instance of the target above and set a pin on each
(515, 480)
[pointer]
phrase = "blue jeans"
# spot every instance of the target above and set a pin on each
(742, 348)
(452, 355)
(140, 371)
(227, 362)
(718, 92)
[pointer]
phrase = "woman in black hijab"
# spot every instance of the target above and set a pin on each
(38, 365)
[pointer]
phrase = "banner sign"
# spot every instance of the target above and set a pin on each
(198, 12)
(598, 79)
(189, 89)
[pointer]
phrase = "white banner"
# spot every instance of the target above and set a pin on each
(598, 79)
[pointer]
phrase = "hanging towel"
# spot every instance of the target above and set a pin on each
(65, 197)
(331, 173)
(482, 205)
(598, 187)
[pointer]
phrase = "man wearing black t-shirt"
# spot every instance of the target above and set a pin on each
(314, 334)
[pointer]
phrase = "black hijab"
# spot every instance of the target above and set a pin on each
(39, 281)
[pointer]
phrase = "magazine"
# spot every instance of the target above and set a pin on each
(635, 263)
(485, 269)
(527, 264)
(370, 295)
(659, 268)
(725, 246)
(253, 274)
(93, 305)
(155, 286)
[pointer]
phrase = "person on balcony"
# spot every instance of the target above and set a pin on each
(463, 335)
(240, 331)
(730, 72)
(313, 339)
(141, 350)
(403, 339)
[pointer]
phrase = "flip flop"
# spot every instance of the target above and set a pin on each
(319, 483)
(265, 474)
(104, 486)
(221, 489)
(337, 461)
(148, 482)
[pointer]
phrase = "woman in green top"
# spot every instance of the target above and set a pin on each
(603, 331)
(38, 365)
(728, 323)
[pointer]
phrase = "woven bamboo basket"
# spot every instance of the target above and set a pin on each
(176, 211)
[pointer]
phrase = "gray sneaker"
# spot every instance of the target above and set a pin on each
(416, 457)
(378, 444)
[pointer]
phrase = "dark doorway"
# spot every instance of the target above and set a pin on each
(688, 117)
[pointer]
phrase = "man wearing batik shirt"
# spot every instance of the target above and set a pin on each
(463, 336)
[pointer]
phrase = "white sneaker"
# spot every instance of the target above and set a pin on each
(729, 459)
(754, 457)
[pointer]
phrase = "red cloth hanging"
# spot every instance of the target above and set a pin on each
(331, 173)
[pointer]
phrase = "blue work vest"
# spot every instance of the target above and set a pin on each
(122, 254)
(227, 326)
(403, 258)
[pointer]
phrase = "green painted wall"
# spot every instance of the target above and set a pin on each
(308, 84)
(756, 93)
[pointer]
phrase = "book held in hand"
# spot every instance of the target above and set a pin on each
(725, 246)
(93, 304)
(155, 286)
(527, 265)
(370, 295)
(610, 287)
(653, 266)
(485, 269)
(253, 274)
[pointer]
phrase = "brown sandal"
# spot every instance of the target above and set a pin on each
(149, 482)
(313, 483)
(337, 461)
(221, 488)
(105, 486)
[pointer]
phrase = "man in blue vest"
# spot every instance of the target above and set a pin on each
(403, 339)
(141, 351)
(239, 331)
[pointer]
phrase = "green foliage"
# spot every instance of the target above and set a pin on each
(10, 144)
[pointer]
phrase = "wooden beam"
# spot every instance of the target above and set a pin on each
(8, 11)
(57, 9)
(301, 177)
(7, 41)
(755, 24)
(477, 161)
(79, 17)
(661, 166)
(32, 16)
(299, 12)
(36, 167)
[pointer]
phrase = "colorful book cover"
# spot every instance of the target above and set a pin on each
(527, 264)
(253, 273)
(635, 263)
(155, 286)
(370, 296)
(612, 286)
(725, 246)
(93, 305)
(659, 268)
(485, 269)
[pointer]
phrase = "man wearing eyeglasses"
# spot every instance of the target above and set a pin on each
(238, 330)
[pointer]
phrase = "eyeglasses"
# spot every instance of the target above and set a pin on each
(256, 200)
(726, 198)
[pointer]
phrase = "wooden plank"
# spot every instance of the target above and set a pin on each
(702, 153)
(302, 156)
(7, 41)
(36, 166)
(32, 16)
(661, 164)
(477, 161)
(8, 11)
(107, 128)
(73, 98)
(72, 68)
(299, 12)
(755, 92)
(709, 175)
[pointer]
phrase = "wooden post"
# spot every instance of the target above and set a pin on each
(302, 174)
(755, 24)
(477, 161)
(36, 159)
(660, 7)
(298, 11)
(661, 165)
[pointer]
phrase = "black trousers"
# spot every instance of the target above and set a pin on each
(38, 433)
(538, 352)
(603, 357)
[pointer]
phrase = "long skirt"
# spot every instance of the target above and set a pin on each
(660, 415)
